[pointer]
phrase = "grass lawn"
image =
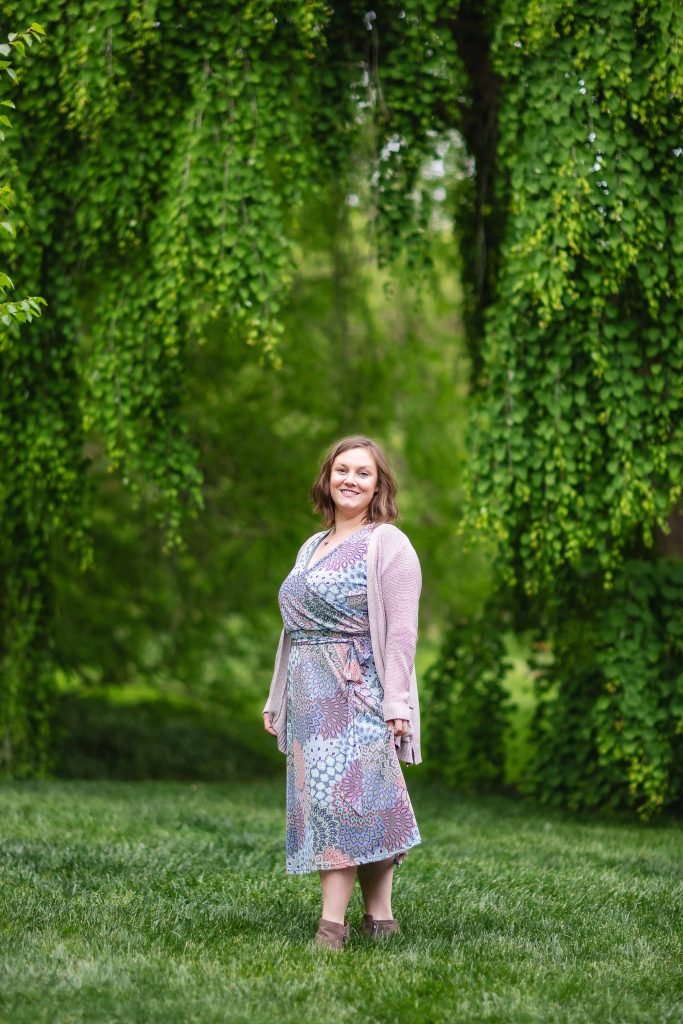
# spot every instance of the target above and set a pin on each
(168, 902)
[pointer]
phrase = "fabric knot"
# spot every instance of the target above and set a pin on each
(358, 654)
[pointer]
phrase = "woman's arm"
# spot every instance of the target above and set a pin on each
(269, 709)
(279, 677)
(401, 583)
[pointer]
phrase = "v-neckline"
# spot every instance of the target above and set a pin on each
(327, 553)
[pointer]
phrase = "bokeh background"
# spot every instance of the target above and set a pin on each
(236, 232)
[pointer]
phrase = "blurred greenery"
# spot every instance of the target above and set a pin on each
(138, 732)
(360, 353)
(259, 227)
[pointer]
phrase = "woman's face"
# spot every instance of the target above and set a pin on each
(353, 481)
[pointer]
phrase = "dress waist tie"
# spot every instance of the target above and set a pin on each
(358, 655)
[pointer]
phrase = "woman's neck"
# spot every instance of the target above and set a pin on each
(343, 527)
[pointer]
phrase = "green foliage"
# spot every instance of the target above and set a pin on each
(609, 726)
(24, 670)
(17, 311)
(200, 144)
(577, 430)
(573, 297)
(205, 619)
(412, 78)
(468, 710)
(139, 234)
(166, 155)
(99, 735)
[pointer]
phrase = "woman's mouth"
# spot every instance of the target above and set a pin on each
(350, 493)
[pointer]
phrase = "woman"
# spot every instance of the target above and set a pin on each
(343, 699)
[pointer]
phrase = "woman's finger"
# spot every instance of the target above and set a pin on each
(399, 726)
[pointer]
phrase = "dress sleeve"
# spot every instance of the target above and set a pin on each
(401, 583)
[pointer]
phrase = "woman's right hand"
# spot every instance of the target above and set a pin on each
(267, 724)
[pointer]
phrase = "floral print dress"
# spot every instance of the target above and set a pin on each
(347, 801)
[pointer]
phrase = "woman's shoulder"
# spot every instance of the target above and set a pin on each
(309, 540)
(391, 534)
(318, 533)
(391, 539)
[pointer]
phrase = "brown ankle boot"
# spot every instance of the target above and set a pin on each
(376, 929)
(332, 934)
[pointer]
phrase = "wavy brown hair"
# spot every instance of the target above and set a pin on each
(382, 508)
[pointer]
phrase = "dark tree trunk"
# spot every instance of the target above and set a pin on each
(482, 215)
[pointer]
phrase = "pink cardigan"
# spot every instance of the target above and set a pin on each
(394, 585)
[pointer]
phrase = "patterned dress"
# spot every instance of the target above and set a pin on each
(347, 801)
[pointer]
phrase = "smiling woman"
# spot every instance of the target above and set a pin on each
(353, 483)
(356, 471)
(343, 699)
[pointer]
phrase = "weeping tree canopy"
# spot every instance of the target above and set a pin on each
(574, 296)
(161, 158)
(578, 433)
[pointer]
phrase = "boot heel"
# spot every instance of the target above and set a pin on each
(378, 929)
(332, 934)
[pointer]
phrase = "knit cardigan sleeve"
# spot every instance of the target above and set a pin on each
(401, 583)
(279, 677)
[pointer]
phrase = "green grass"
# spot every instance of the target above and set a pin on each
(168, 902)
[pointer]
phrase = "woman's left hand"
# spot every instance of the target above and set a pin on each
(399, 726)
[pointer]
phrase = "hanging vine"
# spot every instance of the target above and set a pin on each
(161, 158)
(21, 609)
(576, 431)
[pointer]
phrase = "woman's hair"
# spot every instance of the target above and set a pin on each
(382, 508)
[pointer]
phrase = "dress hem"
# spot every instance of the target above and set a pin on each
(355, 863)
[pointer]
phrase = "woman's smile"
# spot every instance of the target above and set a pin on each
(357, 465)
